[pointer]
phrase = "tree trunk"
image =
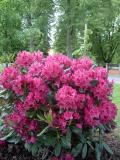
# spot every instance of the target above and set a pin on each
(106, 66)
(85, 39)
(69, 31)
(69, 43)
(29, 22)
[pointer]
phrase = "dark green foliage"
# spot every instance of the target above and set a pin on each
(25, 25)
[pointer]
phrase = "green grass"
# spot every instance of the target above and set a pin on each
(116, 100)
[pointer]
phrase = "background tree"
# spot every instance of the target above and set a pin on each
(96, 28)
(37, 19)
(25, 24)
(90, 27)
(106, 35)
(10, 26)
(67, 38)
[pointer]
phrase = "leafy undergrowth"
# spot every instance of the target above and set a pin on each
(17, 152)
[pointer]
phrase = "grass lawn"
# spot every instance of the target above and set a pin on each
(116, 100)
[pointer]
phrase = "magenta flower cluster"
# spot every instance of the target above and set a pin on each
(72, 90)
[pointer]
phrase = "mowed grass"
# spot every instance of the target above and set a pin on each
(116, 100)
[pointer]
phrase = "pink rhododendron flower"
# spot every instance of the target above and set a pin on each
(81, 78)
(63, 60)
(69, 157)
(108, 111)
(35, 69)
(24, 59)
(79, 125)
(102, 90)
(17, 85)
(92, 116)
(101, 72)
(68, 115)
(82, 63)
(66, 97)
(37, 56)
(66, 78)
(81, 100)
(20, 107)
(8, 76)
(23, 126)
(51, 70)
(76, 116)
(32, 140)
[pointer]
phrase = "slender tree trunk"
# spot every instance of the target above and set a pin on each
(29, 22)
(69, 43)
(85, 39)
(106, 65)
(29, 26)
(69, 31)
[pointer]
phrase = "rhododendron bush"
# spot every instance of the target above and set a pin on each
(59, 104)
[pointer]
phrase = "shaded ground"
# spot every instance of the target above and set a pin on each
(17, 152)
(114, 143)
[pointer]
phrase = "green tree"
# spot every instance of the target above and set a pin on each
(95, 28)
(25, 25)
(37, 18)
(67, 32)
(10, 26)
(106, 35)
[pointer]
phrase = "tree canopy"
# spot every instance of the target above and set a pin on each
(90, 27)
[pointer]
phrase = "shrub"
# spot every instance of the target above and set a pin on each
(58, 105)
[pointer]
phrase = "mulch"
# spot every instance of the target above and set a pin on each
(17, 152)
(114, 143)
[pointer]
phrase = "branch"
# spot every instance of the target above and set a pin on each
(101, 49)
(114, 49)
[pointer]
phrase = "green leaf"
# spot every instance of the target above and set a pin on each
(97, 152)
(7, 136)
(58, 149)
(51, 141)
(77, 150)
(14, 140)
(31, 113)
(68, 135)
(90, 144)
(84, 151)
(102, 127)
(94, 82)
(48, 117)
(34, 149)
(66, 144)
(28, 147)
(43, 131)
(40, 118)
(23, 70)
(77, 131)
(107, 148)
